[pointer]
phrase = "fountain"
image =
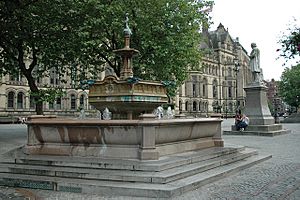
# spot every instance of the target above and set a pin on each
(127, 96)
(143, 155)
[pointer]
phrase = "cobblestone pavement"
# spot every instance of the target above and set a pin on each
(276, 178)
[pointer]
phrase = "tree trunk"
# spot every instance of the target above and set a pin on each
(34, 89)
(27, 72)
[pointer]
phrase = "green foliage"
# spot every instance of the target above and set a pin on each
(47, 95)
(36, 36)
(290, 43)
(289, 86)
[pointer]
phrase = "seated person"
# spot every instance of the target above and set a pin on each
(238, 119)
(244, 123)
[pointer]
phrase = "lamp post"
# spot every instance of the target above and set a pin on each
(236, 69)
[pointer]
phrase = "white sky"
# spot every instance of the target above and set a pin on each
(259, 21)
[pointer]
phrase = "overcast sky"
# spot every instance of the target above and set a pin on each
(259, 21)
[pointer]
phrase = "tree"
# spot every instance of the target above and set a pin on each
(165, 32)
(290, 43)
(289, 86)
(36, 36)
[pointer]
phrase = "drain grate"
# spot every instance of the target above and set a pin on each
(70, 189)
(44, 185)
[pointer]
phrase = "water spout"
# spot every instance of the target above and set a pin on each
(81, 114)
(159, 112)
(99, 115)
(170, 113)
(106, 114)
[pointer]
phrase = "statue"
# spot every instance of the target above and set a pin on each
(127, 30)
(255, 63)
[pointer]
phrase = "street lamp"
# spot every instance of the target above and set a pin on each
(236, 69)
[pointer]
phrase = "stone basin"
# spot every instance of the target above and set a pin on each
(144, 139)
(127, 100)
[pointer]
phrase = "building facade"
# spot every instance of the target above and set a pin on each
(15, 98)
(217, 89)
(277, 104)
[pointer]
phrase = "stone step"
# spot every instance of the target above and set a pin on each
(115, 188)
(127, 175)
(258, 133)
(164, 163)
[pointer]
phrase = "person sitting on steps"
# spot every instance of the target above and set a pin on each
(238, 119)
(244, 123)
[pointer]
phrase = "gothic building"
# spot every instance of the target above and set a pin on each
(15, 98)
(217, 89)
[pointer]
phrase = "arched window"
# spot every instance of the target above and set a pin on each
(194, 106)
(186, 106)
(81, 101)
(10, 100)
(73, 102)
(20, 100)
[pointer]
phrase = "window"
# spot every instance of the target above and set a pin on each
(186, 105)
(20, 100)
(81, 101)
(215, 91)
(180, 105)
(194, 106)
(73, 102)
(194, 89)
(58, 103)
(51, 105)
(11, 100)
(229, 91)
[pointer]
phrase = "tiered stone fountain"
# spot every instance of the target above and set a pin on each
(134, 157)
(127, 96)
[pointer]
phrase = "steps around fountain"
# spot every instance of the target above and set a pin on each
(169, 176)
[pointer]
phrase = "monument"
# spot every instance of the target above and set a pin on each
(256, 107)
(136, 156)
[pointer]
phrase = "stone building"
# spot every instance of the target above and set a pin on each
(278, 106)
(217, 89)
(15, 98)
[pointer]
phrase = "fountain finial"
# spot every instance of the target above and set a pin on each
(127, 30)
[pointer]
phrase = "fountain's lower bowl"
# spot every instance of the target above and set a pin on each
(135, 139)
(127, 100)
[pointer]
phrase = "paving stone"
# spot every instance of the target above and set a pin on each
(277, 178)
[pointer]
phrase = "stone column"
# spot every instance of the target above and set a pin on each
(148, 149)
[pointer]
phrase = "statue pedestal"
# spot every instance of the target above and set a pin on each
(256, 107)
(261, 121)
